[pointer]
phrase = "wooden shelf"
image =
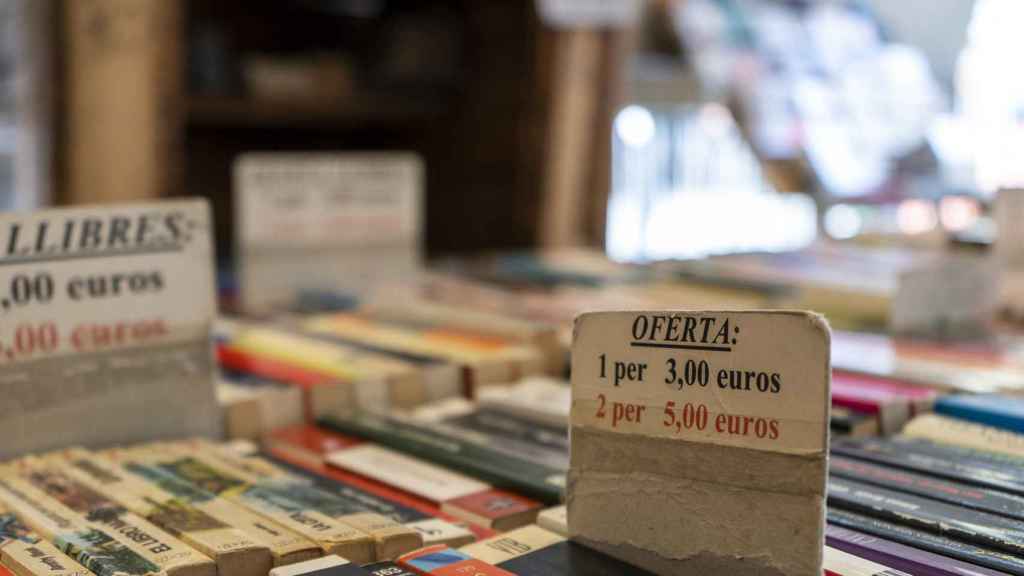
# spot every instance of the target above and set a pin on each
(352, 112)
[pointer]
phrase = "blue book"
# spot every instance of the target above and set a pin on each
(1005, 412)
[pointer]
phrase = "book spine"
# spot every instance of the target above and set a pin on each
(983, 529)
(376, 383)
(528, 478)
(387, 569)
(26, 554)
(326, 566)
(417, 514)
(332, 536)
(240, 410)
(95, 549)
(390, 538)
(169, 553)
(231, 549)
(513, 545)
(839, 563)
(548, 445)
(441, 378)
(933, 460)
(555, 519)
(321, 394)
(986, 410)
(890, 553)
(892, 413)
(981, 499)
(920, 539)
(285, 546)
(495, 509)
(442, 561)
(966, 434)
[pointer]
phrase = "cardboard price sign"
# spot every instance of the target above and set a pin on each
(106, 314)
(699, 440)
(325, 222)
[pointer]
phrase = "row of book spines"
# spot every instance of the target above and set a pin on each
(351, 347)
(412, 544)
(934, 489)
(498, 469)
(525, 546)
(25, 553)
(313, 462)
(459, 496)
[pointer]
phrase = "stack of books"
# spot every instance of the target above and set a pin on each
(426, 432)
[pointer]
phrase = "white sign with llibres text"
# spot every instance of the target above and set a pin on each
(106, 315)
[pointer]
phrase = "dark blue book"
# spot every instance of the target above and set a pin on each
(1005, 412)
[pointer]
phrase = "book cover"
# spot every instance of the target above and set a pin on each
(26, 554)
(424, 479)
(534, 551)
(997, 411)
(331, 536)
(230, 548)
(433, 526)
(966, 434)
(389, 537)
(920, 539)
(981, 499)
(949, 520)
(93, 548)
(900, 556)
(840, 563)
(495, 509)
(387, 569)
(327, 566)
(414, 512)
(444, 561)
(944, 461)
(498, 469)
(172, 555)
(286, 546)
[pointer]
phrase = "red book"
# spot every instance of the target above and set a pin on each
(444, 561)
(495, 509)
(922, 398)
(321, 393)
(306, 446)
(893, 402)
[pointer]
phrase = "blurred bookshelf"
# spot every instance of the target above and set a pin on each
(159, 99)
